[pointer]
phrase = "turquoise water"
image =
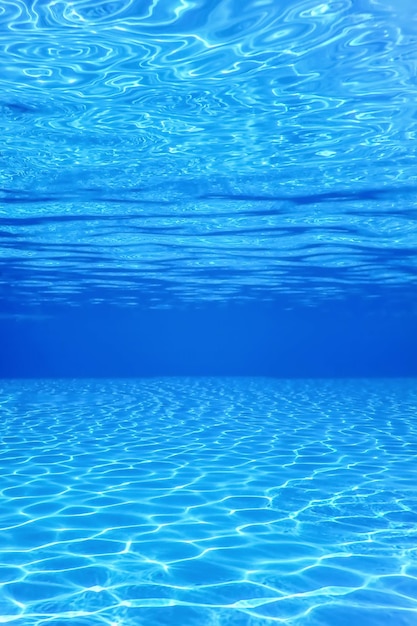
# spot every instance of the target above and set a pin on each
(169, 153)
(205, 501)
(223, 190)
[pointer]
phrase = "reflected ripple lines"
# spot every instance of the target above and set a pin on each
(232, 501)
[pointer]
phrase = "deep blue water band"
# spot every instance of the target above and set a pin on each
(348, 339)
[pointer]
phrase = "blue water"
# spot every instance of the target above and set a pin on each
(208, 333)
(244, 501)
(178, 152)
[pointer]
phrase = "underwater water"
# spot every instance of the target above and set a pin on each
(208, 501)
(208, 334)
(165, 153)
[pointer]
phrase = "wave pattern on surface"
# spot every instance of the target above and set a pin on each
(212, 100)
(246, 502)
(132, 249)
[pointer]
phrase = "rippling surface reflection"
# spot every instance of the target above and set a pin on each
(207, 502)
(180, 151)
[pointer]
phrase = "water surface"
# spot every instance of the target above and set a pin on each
(171, 152)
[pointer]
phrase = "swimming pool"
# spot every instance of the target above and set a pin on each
(246, 501)
(208, 344)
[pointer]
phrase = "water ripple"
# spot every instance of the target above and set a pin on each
(217, 244)
(247, 502)
(213, 101)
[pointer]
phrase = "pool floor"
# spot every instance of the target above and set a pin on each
(209, 502)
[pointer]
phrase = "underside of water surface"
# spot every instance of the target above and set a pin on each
(171, 153)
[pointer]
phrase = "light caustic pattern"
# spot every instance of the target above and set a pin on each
(193, 150)
(203, 502)
(177, 77)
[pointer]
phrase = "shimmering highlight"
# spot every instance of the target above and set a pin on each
(180, 136)
(249, 502)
